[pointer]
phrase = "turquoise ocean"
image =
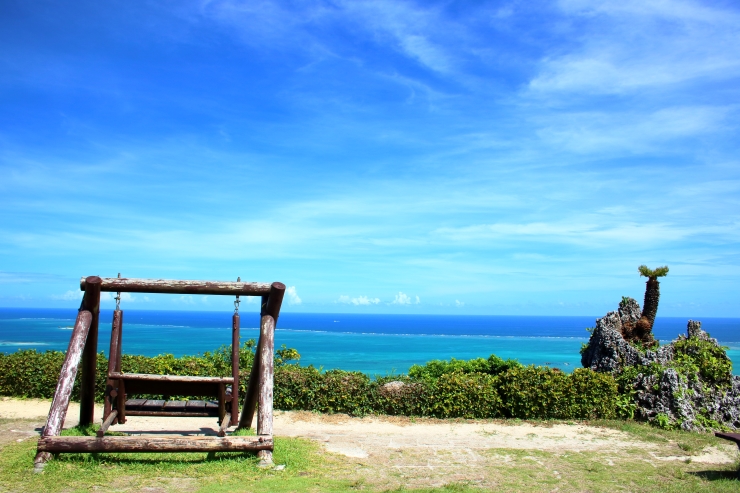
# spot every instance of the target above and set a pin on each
(373, 344)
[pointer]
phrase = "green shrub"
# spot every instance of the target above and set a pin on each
(493, 365)
(482, 388)
(464, 395)
(543, 393)
(296, 387)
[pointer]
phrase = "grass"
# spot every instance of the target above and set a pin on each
(221, 471)
(307, 469)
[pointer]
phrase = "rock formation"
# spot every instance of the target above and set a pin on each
(661, 381)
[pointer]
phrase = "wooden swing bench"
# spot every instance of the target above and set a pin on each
(222, 391)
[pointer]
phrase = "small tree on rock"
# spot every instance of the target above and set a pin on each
(643, 331)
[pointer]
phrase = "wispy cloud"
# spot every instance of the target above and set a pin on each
(404, 299)
(630, 46)
(293, 298)
(70, 296)
(360, 300)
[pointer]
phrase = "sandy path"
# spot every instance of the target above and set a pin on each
(380, 436)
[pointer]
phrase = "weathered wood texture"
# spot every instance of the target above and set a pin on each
(155, 407)
(270, 306)
(91, 302)
(170, 378)
(121, 402)
(267, 341)
(139, 383)
(175, 414)
(107, 422)
(63, 391)
(225, 422)
(264, 413)
(126, 285)
(114, 363)
(235, 348)
(154, 444)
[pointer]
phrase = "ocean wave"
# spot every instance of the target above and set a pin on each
(389, 334)
(13, 343)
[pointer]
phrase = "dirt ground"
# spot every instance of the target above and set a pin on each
(423, 451)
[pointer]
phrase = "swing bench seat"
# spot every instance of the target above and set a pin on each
(140, 383)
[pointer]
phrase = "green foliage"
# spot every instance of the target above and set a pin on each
(663, 421)
(653, 273)
(493, 365)
(33, 374)
(480, 388)
(542, 393)
(626, 406)
(286, 355)
(463, 395)
(518, 392)
(698, 356)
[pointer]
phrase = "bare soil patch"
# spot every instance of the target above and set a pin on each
(388, 451)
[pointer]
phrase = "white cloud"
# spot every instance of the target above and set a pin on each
(630, 132)
(106, 297)
(293, 298)
(402, 299)
(459, 303)
(68, 296)
(581, 231)
(628, 46)
(360, 300)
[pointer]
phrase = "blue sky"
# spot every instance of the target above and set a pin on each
(383, 157)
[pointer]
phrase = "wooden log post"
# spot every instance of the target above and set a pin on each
(235, 341)
(270, 306)
(114, 363)
(224, 424)
(267, 360)
(91, 303)
(250, 398)
(121, 402)
(63, 391)
(222, 403)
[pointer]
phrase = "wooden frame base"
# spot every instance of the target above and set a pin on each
(140, 444)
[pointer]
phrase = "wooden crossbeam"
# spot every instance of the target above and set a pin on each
(170, 286)
(60, 444)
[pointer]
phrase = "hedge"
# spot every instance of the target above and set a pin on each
(480, 388)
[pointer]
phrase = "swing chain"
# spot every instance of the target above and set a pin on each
(118, 297)
(237, 300)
